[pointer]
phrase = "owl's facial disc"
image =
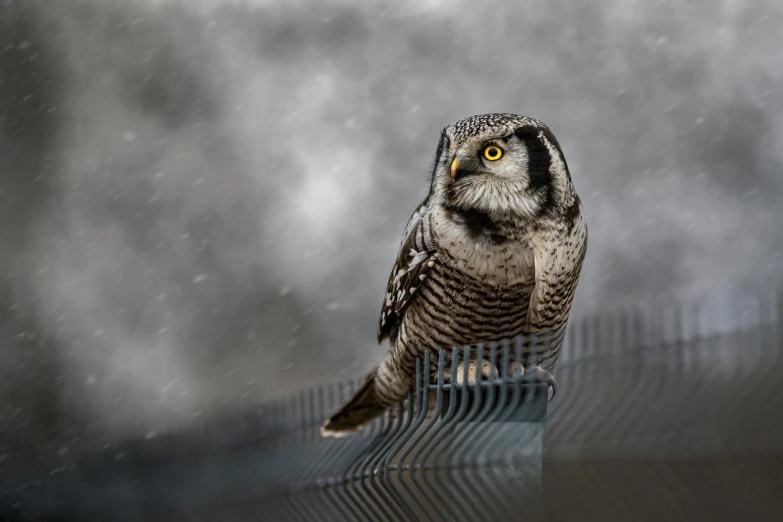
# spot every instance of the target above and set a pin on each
(500, 165)
(490, 174)
(468, 162)
(493, 157)
(490, 153)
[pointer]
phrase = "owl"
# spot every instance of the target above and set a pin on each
(493, 252)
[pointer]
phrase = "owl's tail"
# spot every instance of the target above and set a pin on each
(364, 406)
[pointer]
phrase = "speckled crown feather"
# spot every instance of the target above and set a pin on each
(502, 122)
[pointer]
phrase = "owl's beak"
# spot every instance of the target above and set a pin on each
(461, 169)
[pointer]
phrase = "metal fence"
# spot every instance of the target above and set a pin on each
(658, 416)
(450, 452)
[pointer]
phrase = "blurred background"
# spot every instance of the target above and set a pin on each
(200, 201)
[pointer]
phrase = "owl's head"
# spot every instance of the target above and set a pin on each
(500, 165)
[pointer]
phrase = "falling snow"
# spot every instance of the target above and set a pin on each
(186, 214)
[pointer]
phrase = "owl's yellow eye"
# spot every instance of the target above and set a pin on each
(493, 153)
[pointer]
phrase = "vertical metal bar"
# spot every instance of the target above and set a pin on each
(409, 437)
(440, 463)
(456, 498)
(313, 497)
(378, 478)
(464, 432)
(386, 461)
(337, 479)
(366, 471)
(487, 437)
(317, 471)
(354, 487)
(424, 448)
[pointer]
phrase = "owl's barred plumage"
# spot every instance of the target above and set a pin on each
(493, 252)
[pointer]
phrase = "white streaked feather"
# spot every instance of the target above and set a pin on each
(417, 258)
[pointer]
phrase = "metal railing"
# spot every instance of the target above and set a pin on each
(450, 452)
(655, 417)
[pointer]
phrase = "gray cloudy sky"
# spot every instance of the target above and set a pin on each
(200, 201)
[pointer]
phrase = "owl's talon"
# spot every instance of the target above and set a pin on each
(539, 375)
(487, 371)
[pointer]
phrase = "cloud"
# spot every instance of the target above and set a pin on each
(219, 188)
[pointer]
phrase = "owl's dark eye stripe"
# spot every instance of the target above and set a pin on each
(539, 161)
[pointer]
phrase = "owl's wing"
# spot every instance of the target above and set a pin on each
(415, 259)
